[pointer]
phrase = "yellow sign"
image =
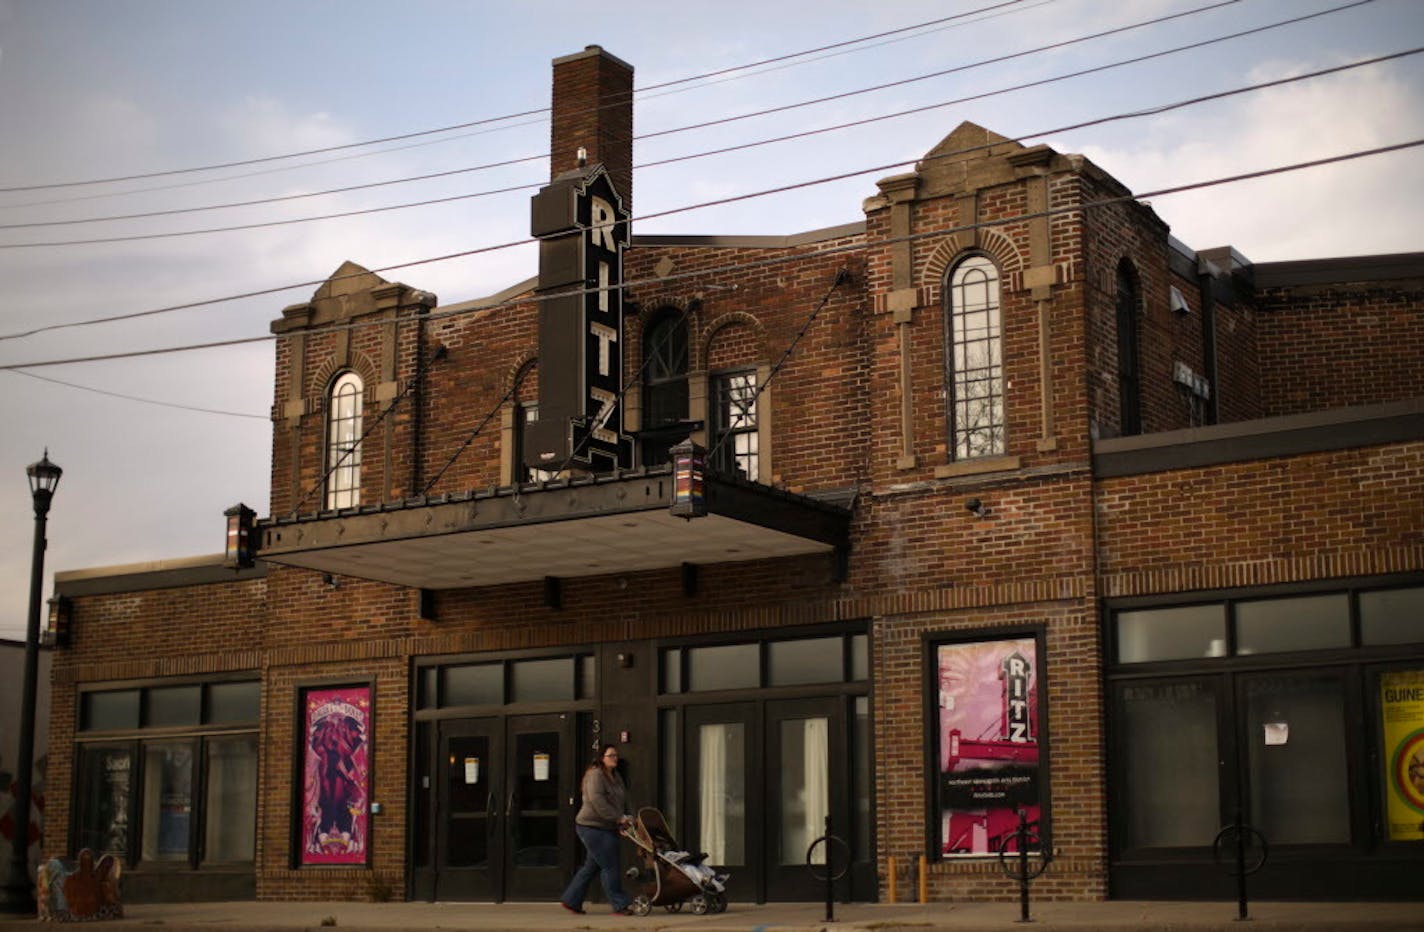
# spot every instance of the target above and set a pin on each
(1402, 717)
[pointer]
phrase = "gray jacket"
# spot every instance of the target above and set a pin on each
(605, 800)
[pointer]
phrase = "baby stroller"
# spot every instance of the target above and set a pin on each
(671, 876)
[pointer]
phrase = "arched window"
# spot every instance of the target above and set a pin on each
(665, 356)
(975, 360)
(343, 441)
(1129, 389)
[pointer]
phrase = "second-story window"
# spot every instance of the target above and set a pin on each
(734, 423)
(975, 366)
(665, 354)
(343, 441)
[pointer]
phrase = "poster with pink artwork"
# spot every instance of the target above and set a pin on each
(988, 747)
(336, 775)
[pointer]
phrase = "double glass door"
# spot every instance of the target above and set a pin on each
(504, 805)
(1190, 751)
(762, 778)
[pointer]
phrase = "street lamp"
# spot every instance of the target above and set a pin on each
(18, 895)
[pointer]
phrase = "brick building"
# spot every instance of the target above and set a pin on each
(1042, 511)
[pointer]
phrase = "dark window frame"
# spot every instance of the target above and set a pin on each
(723, 436)
(961, 443)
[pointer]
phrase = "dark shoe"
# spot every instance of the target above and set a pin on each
(625, 911)
(573, 909)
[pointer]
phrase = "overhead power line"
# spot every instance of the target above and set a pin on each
(142, 400)
(1117, 117)
(774, 260)
(430, 202)
(539, 157)
(509, 116)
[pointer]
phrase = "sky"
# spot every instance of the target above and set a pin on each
(97, 90)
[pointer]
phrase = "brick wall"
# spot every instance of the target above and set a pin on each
(1331, 346)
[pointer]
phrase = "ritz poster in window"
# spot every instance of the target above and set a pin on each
(988, 742)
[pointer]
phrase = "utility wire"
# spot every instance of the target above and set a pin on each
(147, 401)
(666, 132)
(466, 136)
(497, 119)
(838, 177)
(778, 260)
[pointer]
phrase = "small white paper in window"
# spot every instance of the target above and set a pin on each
(541, 766)
(472, 770)
(1277, 733)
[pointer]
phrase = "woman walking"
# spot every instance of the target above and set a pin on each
(603, 813)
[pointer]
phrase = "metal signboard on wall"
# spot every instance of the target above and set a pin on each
(582, 230)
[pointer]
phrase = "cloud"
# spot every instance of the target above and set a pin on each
(1353, 208)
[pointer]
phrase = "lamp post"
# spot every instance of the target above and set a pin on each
(18, 895)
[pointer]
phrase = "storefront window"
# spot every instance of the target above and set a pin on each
(110, 710)
(167, 800)
(234, 702)
(1295, 733)
(1307, 623)
(1171, 633)
(231, 793)
(1392, 616)
(155, 787)
(174, 705)
(103, 799)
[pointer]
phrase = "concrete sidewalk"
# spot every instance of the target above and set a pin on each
(772, 917)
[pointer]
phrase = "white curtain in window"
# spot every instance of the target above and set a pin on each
(712, 745)
(816, 752)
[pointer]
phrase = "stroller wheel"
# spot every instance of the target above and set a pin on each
(674, 907)
(699, 904)
(716, 903)
(641, 906)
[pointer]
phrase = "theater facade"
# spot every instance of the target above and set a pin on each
(998, 500)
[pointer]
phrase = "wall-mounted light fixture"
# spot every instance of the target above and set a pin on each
(977, 508)
(689, 497)
(237, 554)
(56, 632)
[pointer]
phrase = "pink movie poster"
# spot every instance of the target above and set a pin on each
(988, 742)
(336, 775)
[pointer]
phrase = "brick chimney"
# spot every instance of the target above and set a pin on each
(593, 109)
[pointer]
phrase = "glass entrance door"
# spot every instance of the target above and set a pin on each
(540, 803)
(469, 836)
(724, 804)
(504, 808)
(806, 778)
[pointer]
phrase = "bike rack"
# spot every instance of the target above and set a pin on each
(1015, 864)
(1239, 835)
(831, 876)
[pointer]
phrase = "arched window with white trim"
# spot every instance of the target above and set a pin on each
(343, 441)
(975, 367)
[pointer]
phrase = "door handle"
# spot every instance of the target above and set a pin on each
(509, 805)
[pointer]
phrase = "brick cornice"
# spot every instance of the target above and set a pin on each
(1244, 573)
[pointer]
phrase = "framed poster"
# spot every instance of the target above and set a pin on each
(335, 775)
(985, 699)
(1402, 722)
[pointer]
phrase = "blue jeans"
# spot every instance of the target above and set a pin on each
(602, 847)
